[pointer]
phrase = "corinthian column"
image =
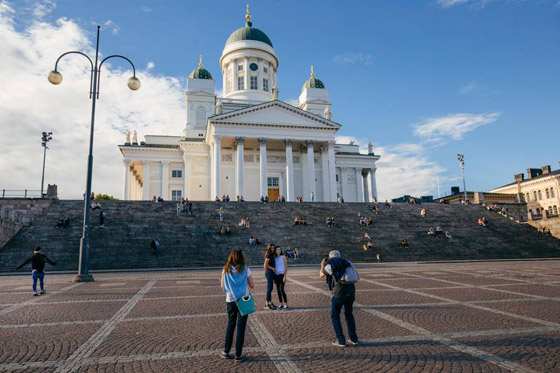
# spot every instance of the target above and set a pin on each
(263, 183)
(290, 194)
(217, 143)
(239, 166)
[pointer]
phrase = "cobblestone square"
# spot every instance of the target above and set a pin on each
(479, 317)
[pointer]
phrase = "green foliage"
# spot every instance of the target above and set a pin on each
(105, 197)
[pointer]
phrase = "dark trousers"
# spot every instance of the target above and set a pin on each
(336, 307)
(269, 284)
(38, 276)
(280, 284)
(234, 317)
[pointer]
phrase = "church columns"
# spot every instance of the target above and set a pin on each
(372, 186)
(263, 179)
(146, 181)
(359, 185)
(126, 183)
(290, 194)
(325, 173)
(310, 169)
(216, 166)
(187, 176)
(343, 182)
(239, 166)
(332, 172)
(165, 180)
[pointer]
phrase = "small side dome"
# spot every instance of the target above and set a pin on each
(200, 72)
(313, 82)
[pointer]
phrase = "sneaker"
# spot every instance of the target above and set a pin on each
(225, 355)
(273, 307)
(286, 308)
(270, 307)
(42, 292)
(241, 358)
(351, 342)
(338, 344)
(35, 294)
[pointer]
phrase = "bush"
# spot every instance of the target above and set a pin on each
(105, 197)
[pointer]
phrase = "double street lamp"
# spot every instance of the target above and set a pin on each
(55, 77)
(47, 136)
(461, 158)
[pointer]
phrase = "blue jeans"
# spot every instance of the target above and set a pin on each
(38, 276)
(336, 307)
(234, 317)
(269, 284)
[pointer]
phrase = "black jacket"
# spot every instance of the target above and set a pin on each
(38, 261)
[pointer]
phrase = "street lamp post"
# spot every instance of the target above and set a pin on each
(47, 136)
(56, 78)
(461, 158)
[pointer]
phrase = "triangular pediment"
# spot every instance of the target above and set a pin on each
(275, 113)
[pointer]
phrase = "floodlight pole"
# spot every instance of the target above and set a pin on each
(461, 158)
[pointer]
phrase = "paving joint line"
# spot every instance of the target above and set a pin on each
(34, 300)
(458, 346)
(94, 341)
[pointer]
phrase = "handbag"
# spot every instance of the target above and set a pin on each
(246, 305)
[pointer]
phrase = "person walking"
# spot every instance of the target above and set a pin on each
(154, 245)
(37, 261)
(269, 269)
(236, 276)
(344, 295)
(102, 219)
(280, 275)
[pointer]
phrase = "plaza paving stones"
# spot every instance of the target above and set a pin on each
(469, 317)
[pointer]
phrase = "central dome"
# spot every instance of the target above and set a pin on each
(248, 33)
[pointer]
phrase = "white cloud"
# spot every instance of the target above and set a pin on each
(112, 26)
(448, 3)
(467, 87)
(146, 9)
(150, 65)
(453, 126)
(30, 105)
(353, 58)
(43, 8)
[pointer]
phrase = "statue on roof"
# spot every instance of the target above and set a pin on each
(127, 136)
(219, 107)
(328, 112)
(135, 138)
(275, 92)
(370, 147)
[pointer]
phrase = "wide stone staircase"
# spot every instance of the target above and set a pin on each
(192, 241)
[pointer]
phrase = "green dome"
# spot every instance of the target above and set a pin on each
(313, 83)
(200, 73)
(248, 33)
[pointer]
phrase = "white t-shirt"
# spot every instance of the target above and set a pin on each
(229, 296)
(279, 267)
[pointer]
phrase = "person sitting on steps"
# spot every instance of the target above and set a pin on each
(404, 243)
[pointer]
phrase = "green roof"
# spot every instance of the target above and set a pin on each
(200, 73)
(313, 83)
(248, 33)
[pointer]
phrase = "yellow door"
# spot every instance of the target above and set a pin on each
(273, 194)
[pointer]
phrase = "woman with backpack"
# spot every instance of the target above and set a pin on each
(280, 274)
(269, 271)
(236, 276)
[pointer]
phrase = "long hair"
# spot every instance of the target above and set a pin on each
(236, 259)
(281, 252)
(269, 249)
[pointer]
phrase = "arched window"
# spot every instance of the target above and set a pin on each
(539, 194)
(528, 197)
(547, 193)
(534, 195)
(551, 192)
(549, 210)
(200, 116)
(555, 210)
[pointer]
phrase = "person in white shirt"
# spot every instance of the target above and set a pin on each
(280, 275)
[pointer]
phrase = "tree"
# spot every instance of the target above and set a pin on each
(105, 197)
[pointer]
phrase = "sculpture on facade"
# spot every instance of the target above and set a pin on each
(370, 148)
(328, 112)
(127, 136)
(219, 107)
(275, 92)
(135, 137)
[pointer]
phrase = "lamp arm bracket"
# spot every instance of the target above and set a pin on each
(76, 52)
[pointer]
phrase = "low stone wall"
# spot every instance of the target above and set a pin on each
(18, 212)
(551, 223)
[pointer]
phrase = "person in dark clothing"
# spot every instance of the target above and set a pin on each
(102, 219)
(328, 278)
(37, 261)
(269, 270)
(343, 296)
(154, 245)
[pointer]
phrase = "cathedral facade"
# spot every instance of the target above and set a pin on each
(247, 142)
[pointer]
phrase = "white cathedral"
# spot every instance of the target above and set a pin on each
(248, 143)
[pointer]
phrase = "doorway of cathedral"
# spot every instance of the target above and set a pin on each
(273, 188)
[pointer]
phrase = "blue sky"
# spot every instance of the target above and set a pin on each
(421, 79)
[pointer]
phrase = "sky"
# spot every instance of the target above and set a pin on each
(422, 80)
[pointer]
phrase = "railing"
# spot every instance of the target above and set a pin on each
(20, 193)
